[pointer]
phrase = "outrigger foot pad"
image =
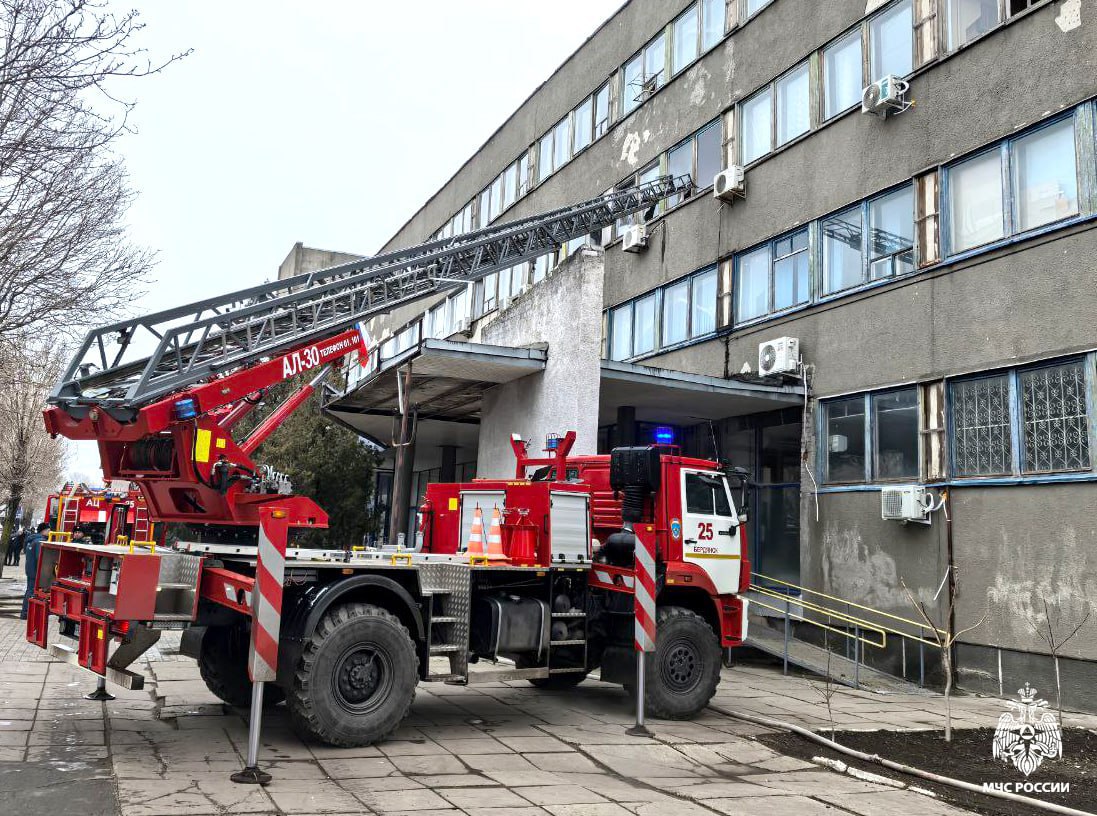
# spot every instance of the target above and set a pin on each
(639, 731)
(100, 693)
(251, 776)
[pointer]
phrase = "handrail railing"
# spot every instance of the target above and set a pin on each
(830, 619)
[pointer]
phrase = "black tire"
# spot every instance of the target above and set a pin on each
(554, 682)
(684, 669)
(356, 677)
(223, 664)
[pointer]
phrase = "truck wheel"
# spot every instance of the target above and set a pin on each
(683, 671)
(223, 664)
(356, 677)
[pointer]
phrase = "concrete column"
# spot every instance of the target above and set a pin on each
(404, 472)
(448, 471)
(626, 426)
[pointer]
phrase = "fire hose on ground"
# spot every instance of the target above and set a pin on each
(876, 759)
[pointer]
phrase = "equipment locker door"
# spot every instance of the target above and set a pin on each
(710, 528)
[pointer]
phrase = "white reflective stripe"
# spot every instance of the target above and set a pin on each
(229, 593)
(645, 643)
(268, 618)
(603, 577)
(272, 560)
(645, 559)
(260, 670)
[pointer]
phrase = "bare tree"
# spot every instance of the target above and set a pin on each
(828, 688)
(1050, 632)
(64, 256)
(30, 461)
(945, 638)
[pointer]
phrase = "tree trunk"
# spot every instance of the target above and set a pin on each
(947, 658)
(9, 520)
(1058, 689)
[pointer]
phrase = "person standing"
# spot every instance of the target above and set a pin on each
(32, 547)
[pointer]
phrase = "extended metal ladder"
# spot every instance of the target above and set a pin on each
(131, 363)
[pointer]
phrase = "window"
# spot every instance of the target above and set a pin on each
(1045, 176)
(713, 24)
(968, 19)
(510, 185)
(891, 42)
(891, 234)
(1023, 422)
(483, 208)
(655, 64)
(1054, 418)
(872, 437)
(844, 420)
(523, 175)
(686, 32)
(676, 313)
(757, 124)
(632, 85)
(601, 111)
(842, 242)
(1017, 6)
(976, 211)
(842, 81)
(773, 278)
(643, 325)
(706, 495)
(544, 158)
(1043, 186)
(620, 333)
(561, 137)
(703, 304)
(680, 163)
(754, 6)
(496, 199)
(895, 435)
(584, 122)
(709, 155)
(793, 105)
(488, 296)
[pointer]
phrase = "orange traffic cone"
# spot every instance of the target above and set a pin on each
(495, 537)
(475, 548)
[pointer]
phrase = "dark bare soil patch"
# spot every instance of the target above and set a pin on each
(968, 758)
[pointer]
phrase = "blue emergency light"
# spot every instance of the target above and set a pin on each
(185, 409)
(664, 435)
(552, 442)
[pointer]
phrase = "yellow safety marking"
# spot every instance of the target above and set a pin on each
(398, 557)
(99, 632)
(479, 561)
(453, 503)
(221, 442)
(201, 445)
(712, 555)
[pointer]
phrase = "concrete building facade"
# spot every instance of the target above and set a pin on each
(935, 264)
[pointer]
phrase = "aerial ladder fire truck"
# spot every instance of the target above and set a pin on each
(344, 635)
(105, 515)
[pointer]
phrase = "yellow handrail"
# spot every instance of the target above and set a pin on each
(843, 632)
(920, 626)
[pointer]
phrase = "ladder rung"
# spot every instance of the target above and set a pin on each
(577, 642)
(444, 648)
(443, 619)
(569, 614)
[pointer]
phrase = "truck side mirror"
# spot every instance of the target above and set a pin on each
(741, 477)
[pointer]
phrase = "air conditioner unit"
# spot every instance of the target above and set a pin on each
(906, 503)
(636, 238)
(729, 184)
(888, 93)
(780, 356)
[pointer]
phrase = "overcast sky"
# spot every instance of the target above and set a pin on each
(328, 122)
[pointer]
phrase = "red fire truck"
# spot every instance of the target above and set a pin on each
(344, 635)
(105, 515)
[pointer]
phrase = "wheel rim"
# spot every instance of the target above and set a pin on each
(362, 678)
(682, 667)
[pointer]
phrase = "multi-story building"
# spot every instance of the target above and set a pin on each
(936, 265)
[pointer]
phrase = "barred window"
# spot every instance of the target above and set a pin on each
(1022, 422)
(1054, 419)
(981, 426)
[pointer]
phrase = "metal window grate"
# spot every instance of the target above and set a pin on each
(1054, 421)
(981, 426)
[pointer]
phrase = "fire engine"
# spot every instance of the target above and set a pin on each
(344, 635)
(106, 515)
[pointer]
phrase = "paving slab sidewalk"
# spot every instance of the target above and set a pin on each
(501, 749)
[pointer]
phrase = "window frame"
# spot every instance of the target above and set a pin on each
(871, 465)
(1083, 164)
(1019, 470)
(770, 247)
